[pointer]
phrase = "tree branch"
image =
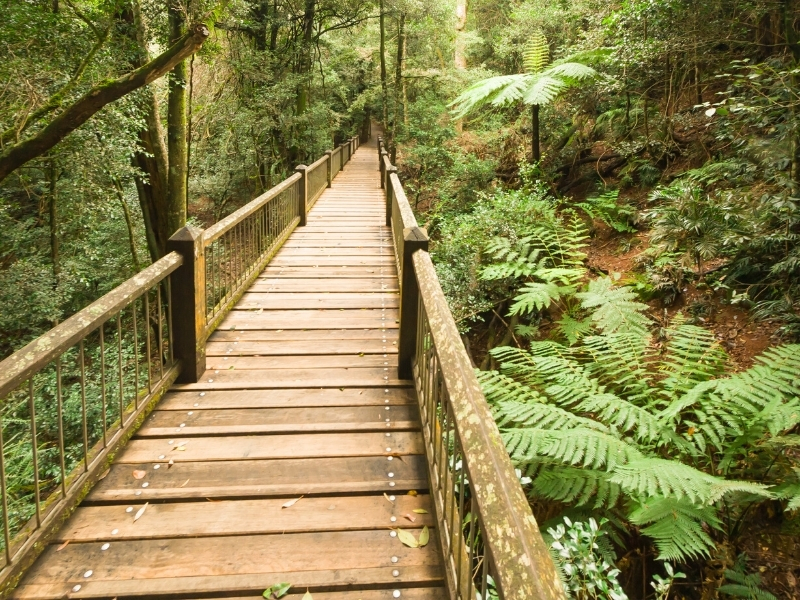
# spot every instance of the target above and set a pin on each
(98, 97)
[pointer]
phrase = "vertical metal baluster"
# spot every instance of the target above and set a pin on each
(119, 365)
(227, 265)
(84, 417)
(60, 413)
(462, 548)
(215, 277)
(485, 573)
(148, 347)
(471, 542)
(452, 524)
(169, 322)
(103, 380)
(3, 492)
(35, 447)
(135, 356)
(160, 333)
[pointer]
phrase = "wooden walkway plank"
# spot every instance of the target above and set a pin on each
(300, 401)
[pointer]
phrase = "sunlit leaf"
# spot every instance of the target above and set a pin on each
(291, 503)
(424, 537)
(407, 538)
(279, 590)
(140, 512)
(420, 511)
(137, 474)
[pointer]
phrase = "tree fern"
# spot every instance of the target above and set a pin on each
(579, 487)
(536, 54)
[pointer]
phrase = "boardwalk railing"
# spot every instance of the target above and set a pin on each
(70, 399)
(491, 542)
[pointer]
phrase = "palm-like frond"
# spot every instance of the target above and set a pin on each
(615, 308)
(536, 54)
(484, 92)
(543, 88)
(580, 487)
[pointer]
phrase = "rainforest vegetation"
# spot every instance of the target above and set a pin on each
(612, 191)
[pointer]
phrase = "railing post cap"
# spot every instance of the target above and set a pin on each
(188, 233)
(301, 168)
(415, 234)
(391, 169)
(328, 152)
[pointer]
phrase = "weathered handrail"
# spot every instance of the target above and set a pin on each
(113, 359)
(486, 529)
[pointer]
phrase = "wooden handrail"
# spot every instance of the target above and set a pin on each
(486, 526)
(30, 359)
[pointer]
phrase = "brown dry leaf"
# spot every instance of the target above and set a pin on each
(62, 546)
(184, 483)
(140, 512)
(420, 511)
(407, 538)
(387, 497)
(410, 518)
(412, 492)
(424, 536)
(137, 474)
(103, 476)
(291, 503)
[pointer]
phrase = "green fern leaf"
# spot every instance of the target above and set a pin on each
(614, 307)
(536, 54)
(580, 487)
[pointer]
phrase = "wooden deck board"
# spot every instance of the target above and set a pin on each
(300, 399)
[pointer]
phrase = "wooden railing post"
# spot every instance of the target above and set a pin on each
(386, 183)
(380, 148)
(303, 195)
(188, 298)
(329, 154)
(383, 167)
(341, 156)
(414, 238)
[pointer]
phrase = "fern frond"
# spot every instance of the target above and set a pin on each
(485, 91)
(676, 527)
(671, 479)
(536, 54)
(542, 89)
(693, 355)
(537, 296)
(578, 486)
(619, 361)
(579, 446)
(573, 329)
(614, 307)
(571, 70)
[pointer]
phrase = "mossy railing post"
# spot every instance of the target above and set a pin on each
(414, 238)
(188, 296)
(329, 154)
(302, 196)
(386, 183)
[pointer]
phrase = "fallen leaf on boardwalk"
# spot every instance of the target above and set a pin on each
(407, 538)
(361, 354)
(231, 367)
(410, 518)
(140, 512)
(412, 492)
(62, 546)
(307, 596)
(137, 474)
(103, 476)
(180, 448)
(291, 503)
(184, 483)
(278, 590)
(424, 536)
(420, 511)
(387, 497)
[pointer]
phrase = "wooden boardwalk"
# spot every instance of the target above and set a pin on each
(300, 400)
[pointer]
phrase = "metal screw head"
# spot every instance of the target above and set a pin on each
(161, 456)
(393, 519)
(105, 546)
(137, 493)
(145, 484)
(393, 533)
(391, 474)
(114, 531)
(388, 449)
(394, 559)
(129, 509)
(389, 457)
(76, 588)
(156, 466)
(396, 594)
(392, 498)
(88, 573)
(391, 484)
(396, 573)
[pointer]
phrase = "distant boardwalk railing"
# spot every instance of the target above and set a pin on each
(490, 539)
(70, 399)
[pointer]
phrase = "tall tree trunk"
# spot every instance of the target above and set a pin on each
(52, 195)
(793, 46)
(176, 130)
(461, 25)
(398, 80)
(535, 149)
(383, 72)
